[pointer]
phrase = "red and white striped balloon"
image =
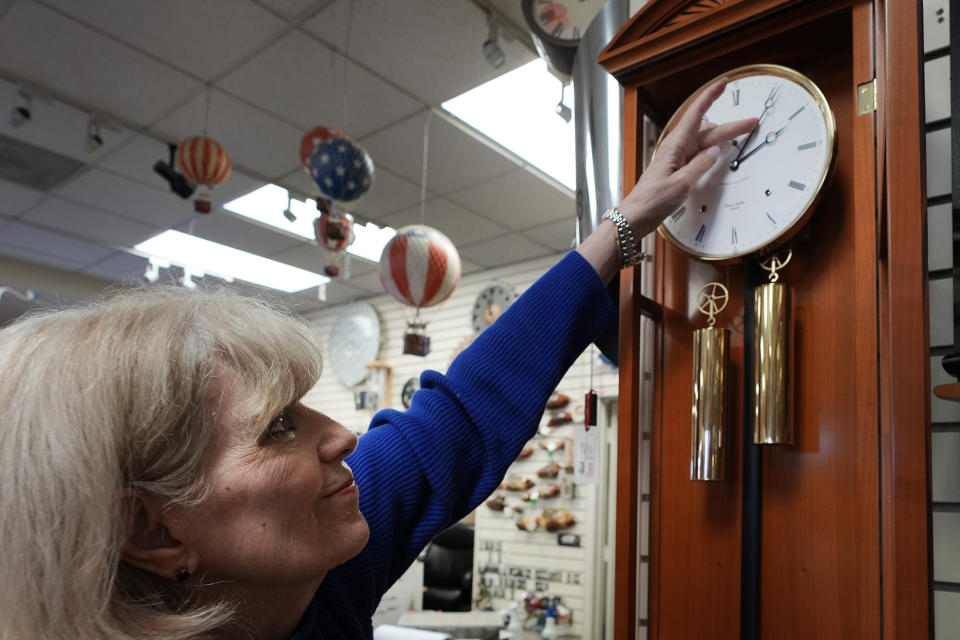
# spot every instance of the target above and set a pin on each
(203, 161)
(419, 267)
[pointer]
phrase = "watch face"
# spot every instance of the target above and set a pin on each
(488, 306)
(561, 22)
(764, 186)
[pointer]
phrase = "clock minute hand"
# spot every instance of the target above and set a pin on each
(767, 105)
(770, 139)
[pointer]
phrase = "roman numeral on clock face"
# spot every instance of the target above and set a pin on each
(676, 215)
(703, 230)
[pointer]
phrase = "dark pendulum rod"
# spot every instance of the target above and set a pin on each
(750, 528)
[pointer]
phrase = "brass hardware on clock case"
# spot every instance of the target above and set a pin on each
(772, 358)
(708, 418)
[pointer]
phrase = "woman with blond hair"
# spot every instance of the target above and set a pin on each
(160, 478)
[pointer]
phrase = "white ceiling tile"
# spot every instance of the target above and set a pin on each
(49, 49)
(16, 199)
(291, 9)
(59, 127)
(519, 200)
(504, 250)
(83, 222)
(309, 256)
(338, 293)
(120, 267)
(136, 159)
(555, 235)
(118, 195)
(204, 39)
(237, 232)
(369, 283)
(30, 238)
(252, 138)
(456, 160)
(301, 80)
(39, 257)
(455, 222)
(468, 267)
(432, 47)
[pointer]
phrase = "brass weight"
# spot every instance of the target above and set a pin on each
(708, 419)
(772, 357)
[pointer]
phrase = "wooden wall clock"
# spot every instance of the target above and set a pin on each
(841, 514)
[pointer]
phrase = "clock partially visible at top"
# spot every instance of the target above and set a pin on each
(490, 303)
(558, 26)
(765, 184)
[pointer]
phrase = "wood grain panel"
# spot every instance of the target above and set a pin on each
(905, 427)
(820, 516)
(698, 523)
(628, 412)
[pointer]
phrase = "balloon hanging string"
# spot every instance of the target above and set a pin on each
(206, 113)
(423, 165)
(346, 61)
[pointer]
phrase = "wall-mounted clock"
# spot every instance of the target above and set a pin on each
(354, 341)
(766, 183)
(557, 28)
(410, 387)
(490, 303)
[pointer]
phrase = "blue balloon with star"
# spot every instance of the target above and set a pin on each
(342, 169)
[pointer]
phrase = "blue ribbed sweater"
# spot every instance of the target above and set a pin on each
(421, 470)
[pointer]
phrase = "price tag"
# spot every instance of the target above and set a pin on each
(585, 466)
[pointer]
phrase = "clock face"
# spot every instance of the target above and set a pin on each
(410, 387)
(490, 303)
(354, 341)
(763, 186)
(561, 22)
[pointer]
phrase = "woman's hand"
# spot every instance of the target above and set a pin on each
(685, 154)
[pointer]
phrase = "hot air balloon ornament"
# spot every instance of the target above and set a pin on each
(333, 232)
(312, 139)
(342, 169)
(203, 162)
(419, 267)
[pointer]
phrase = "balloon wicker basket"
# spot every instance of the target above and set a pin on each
(415, 341)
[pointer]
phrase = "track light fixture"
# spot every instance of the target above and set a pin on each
(563, 110)
(22, 109)
(178, 184)
(94, 138)
(491, 49)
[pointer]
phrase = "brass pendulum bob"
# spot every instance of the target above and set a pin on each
(772, 356)
(708, 439)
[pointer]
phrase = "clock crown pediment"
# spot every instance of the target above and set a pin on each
(662, 27)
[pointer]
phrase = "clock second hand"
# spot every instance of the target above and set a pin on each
(767, 104)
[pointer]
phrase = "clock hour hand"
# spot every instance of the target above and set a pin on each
(767, 105)
(770, 139)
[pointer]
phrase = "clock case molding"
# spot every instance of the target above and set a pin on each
(829, 537)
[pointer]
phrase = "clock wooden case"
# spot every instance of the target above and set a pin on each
(828, 537)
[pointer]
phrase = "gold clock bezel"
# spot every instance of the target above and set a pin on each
(821, 101)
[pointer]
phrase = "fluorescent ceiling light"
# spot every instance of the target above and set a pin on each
(267, 204)
(196, 254)
(517, 110)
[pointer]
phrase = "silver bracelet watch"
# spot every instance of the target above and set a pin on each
(630, 254)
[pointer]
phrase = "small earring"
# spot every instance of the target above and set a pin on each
(182, 574)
